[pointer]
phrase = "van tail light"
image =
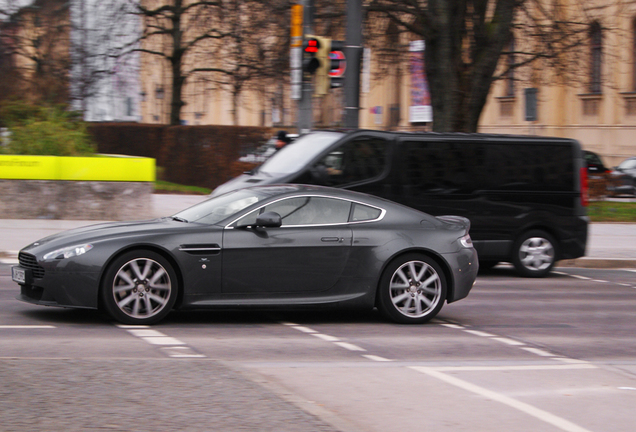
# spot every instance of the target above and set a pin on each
(585, 190)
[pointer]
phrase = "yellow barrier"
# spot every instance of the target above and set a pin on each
(110, 168)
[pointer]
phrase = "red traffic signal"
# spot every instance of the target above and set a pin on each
(311, 63)
(312, 46)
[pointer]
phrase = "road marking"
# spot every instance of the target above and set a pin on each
(571, 361)
(163, 340)
(511, 368)
(508, 341)
(580, 277)
(173, 347)
(326, 337)
(182, 352)
(453, 326)
(350, 347)
(598, 280)
(376, 358)
(627, 388)
(10, 327)
(538, 352)
(146, 333)
(537, 413)
(479, 333)
(305, 329)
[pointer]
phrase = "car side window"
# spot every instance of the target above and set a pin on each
(354, 161)
(305, 211)
(362, 212)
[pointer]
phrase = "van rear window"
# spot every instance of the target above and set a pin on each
(465, 167)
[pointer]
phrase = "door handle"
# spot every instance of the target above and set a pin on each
(332, 239)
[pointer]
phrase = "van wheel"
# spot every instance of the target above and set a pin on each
(534, 254)
(412, 289)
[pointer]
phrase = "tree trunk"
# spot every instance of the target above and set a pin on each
(460, 77)
(176, 60)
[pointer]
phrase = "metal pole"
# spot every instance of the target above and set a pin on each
(353, 53)
(305, 114)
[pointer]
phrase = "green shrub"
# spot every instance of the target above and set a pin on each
(44, 130)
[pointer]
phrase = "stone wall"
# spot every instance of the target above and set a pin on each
(79, 200)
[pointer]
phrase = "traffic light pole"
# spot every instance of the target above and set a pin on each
(305, 113)
(353, 53)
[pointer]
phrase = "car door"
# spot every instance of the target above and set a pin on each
(307, 254)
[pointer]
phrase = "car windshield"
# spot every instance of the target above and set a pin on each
(298, 154)
(222, 207)
(628, 164)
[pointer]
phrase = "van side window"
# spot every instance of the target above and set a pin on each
(530, 167)
(465, 167)
(442, 167)
(355, 161)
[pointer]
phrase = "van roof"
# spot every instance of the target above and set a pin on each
(456, 135)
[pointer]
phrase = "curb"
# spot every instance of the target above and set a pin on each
(598, 263)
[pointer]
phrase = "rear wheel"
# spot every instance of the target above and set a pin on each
(140, 287)
(534, 254)
(412, 289)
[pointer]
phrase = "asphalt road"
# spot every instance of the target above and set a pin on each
(554, 354)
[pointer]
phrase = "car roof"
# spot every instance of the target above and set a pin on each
(287, 189)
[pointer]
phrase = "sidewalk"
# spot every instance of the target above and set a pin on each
(610, 245)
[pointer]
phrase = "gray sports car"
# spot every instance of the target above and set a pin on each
(289, 246)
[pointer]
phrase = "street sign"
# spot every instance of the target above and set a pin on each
(338, 64)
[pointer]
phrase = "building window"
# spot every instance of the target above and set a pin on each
(590, 107)
(509, 90)
(596, 46)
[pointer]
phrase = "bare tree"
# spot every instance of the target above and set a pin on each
(466, 40)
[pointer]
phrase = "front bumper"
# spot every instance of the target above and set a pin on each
(77, 290)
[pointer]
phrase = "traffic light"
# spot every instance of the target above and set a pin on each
(338, 63)
(322, 84)
(311, 46)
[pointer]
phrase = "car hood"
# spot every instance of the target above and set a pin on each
(93, 233)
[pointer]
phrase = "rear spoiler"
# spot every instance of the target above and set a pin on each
(455, 220)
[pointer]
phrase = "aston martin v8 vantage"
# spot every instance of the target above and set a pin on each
(278, 246)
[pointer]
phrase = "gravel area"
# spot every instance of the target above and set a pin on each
(141, 395)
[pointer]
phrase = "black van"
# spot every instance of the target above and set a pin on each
(524, 195)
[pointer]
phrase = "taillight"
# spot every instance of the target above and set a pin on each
(585, 191)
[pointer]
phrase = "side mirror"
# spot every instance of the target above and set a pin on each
(269, 220)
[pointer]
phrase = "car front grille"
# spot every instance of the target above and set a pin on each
(28, 261)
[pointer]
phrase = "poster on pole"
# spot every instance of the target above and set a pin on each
(420, 110)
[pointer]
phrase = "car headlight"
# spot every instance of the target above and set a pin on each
(466, 241)
(68, 252)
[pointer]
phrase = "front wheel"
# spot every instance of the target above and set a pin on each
(534, 254)
(139, 287)
(412, 289)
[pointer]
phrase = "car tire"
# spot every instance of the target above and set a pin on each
(534, 254)
(139, 287)
(412, 289)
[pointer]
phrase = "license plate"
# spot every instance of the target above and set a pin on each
(18, 274)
